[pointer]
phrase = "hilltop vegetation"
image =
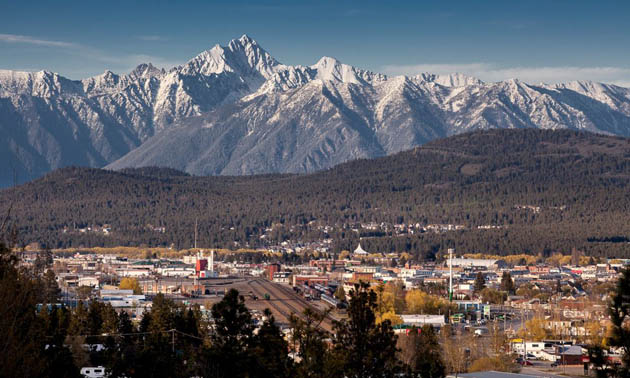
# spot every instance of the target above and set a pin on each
(531, 191)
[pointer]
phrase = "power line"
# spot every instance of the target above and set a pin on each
(139, 334)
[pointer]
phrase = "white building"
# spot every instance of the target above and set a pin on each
(91, 281)
(360, 251)
(282, 277)
(133, 272)
(407, 273)
(420, 320)
(536, 348)
(478, 263)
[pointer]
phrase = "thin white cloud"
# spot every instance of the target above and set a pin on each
(151, 38)
(116, 62)
(24, 39)
(491, 73)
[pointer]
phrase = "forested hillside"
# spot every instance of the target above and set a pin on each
(531, 191)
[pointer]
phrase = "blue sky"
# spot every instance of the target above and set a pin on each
(548, 41)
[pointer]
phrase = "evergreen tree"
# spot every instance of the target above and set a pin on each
(366, 349)
(121, 352)
(422, 353)
(308, 342)
(43, 260)
(51, 291)
(598, 360)
(619, 311)
(23, 332)
(58, 357)
(156, 357)
(507, 284)
(480, 282)
(269, 349)
(125, 325)
(229, 354)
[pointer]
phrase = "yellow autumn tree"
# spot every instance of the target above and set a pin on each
(391, 316)
(419, 302)
(415, 300)
(385, 303)
(130, 283)
(535, 330)
(594, 333)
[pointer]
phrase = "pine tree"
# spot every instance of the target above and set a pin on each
(423, 352)
(507, 284)
(229, 355)
(367, 349)
(308, 342)
(619, 311)
(480, 282)
(23, 332)
(269, 349)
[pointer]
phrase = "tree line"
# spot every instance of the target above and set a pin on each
(544, 191)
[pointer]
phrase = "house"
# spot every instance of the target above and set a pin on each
(565, 354)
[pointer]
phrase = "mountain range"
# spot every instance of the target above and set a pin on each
(236, 110)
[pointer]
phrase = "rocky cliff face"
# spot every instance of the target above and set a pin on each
(236, 110)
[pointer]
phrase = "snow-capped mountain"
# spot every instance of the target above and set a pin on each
(236, 110)
(48, 121)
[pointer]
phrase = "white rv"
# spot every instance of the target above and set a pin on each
(93, 372)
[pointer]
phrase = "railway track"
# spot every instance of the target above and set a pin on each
(281, 300)
(278, 304)
(306, 304)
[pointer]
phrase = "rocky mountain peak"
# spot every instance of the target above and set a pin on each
(243, 56)
(234, 109)
(331, 69)
(145, 70)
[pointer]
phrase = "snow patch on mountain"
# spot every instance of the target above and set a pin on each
(259, 115)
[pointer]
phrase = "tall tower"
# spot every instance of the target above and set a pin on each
(211, 264)
(450, 274)
(195, 245)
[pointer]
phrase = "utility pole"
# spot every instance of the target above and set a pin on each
(563, 350)
(195, 233)
(450, 282)
(524, 325)
(173, 340)
(450, 273)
